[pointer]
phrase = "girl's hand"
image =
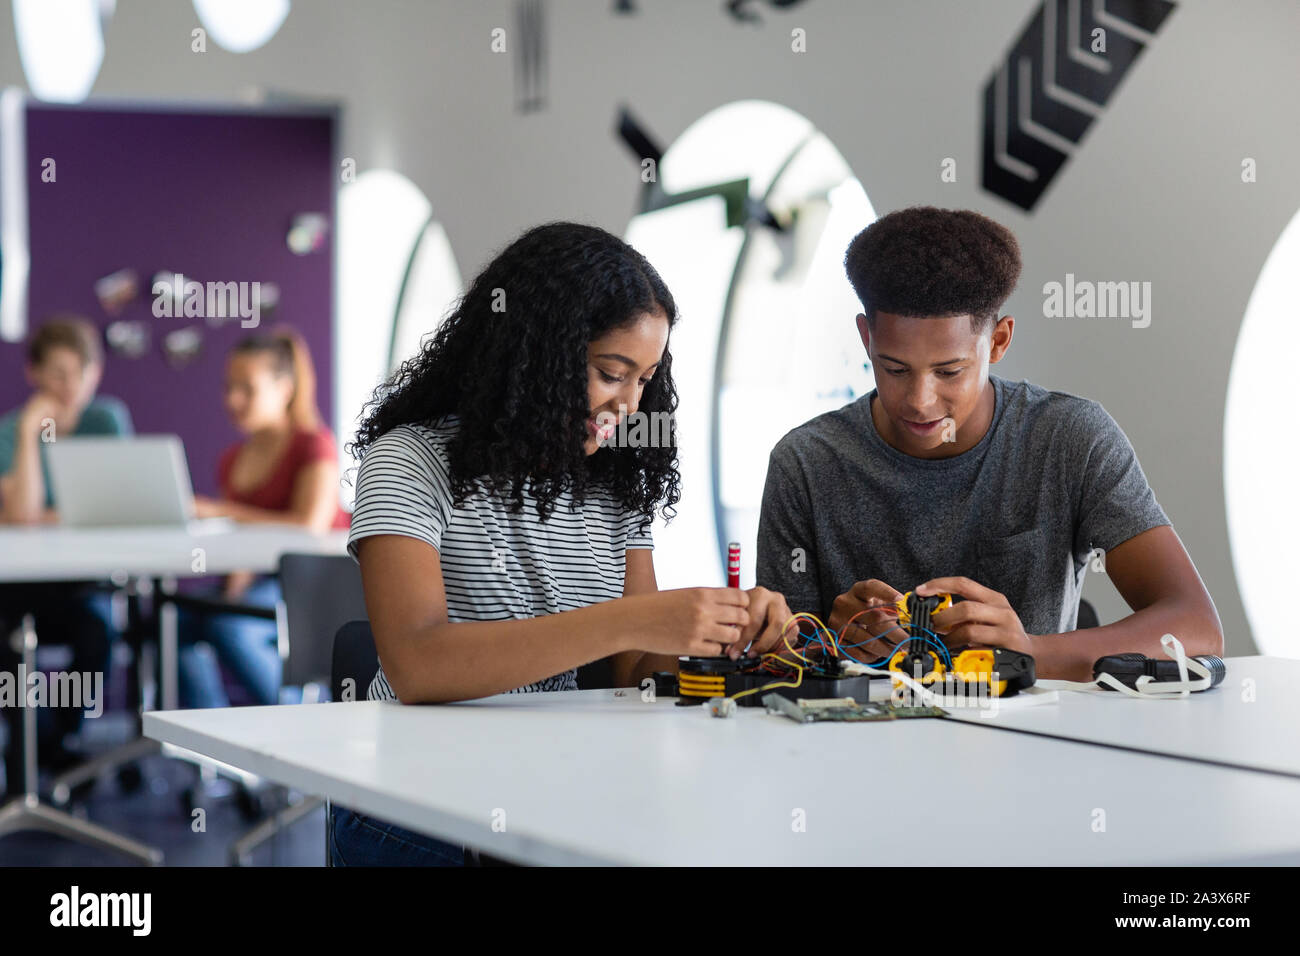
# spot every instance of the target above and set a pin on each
(205, 507)
(701, 622)
(768, 613)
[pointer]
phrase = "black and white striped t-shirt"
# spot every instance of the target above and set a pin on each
(495, 565)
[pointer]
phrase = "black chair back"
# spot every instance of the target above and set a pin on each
(596, 675)
(354, 659)
(1087, 615)
(322, 592)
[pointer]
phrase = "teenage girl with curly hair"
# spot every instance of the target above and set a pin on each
(503, 539)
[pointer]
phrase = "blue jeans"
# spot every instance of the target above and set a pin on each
(247, 646)
(358, 840)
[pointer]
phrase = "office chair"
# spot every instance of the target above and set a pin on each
(320, 593)
(597, 675)
(354, 664)
(354, 660)
(1087, 615)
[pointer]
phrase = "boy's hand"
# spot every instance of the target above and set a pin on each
(984, 619)
(876, 598)
(37, 409)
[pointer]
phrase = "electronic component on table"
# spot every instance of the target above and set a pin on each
(722, 707)
(845, 710)
(1127, 668)
(812, 666)
(926, 659)
(703, 678)
(665, 683)
(905, 712)
(918, 657)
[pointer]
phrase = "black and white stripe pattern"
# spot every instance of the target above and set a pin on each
(495, 565)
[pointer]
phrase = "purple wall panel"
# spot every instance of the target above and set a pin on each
(205, 193)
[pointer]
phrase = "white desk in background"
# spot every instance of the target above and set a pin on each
(588, 777)
(1251, 720)
(55, 553)
(47, 553)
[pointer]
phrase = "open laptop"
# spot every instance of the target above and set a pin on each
(138, 481)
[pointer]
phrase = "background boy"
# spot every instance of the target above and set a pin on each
(64, 365)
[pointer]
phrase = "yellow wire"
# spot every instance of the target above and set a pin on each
(786, 639)
(811, 618)
(701, 682)
(829, 638)
(755, 690)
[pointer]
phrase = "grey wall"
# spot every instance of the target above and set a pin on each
(1154, 193)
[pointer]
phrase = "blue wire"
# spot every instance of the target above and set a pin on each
(876, 638)
(935, 643)
(892, 652)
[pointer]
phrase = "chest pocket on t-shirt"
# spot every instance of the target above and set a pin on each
(1009, 564)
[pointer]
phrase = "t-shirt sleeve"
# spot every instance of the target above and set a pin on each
(787, 555)
(403, 488)
(1116, 502)
(8, 437)
(106, 415)
(638, 532)
(122, 414)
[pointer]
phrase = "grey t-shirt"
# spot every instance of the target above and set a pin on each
(1053, 478)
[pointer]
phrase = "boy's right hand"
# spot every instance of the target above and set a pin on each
(877, 599)
(37, 409)
(700, 622)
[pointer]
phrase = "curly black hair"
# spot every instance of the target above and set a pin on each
(924, 261)
(511, 362)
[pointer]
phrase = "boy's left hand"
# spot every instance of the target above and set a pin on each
(984, 619)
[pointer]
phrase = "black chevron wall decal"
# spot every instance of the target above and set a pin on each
(1052, 86)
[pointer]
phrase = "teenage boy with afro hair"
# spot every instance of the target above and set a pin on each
(948, 479)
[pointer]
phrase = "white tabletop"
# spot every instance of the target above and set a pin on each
(587, 777)
(56, 553)
(1247, 721)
